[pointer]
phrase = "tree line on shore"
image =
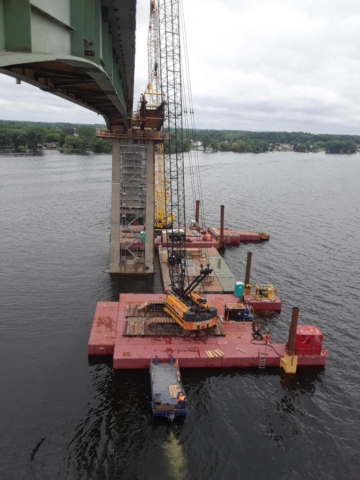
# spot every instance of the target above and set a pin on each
(257, 142)
(19, 136)
(33, 136)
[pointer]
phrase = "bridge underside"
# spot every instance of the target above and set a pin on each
(81, 50)
(75, 80)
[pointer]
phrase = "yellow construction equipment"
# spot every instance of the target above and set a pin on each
(190, 310)
(289, 363)
(154, 101)
(191, 318)
(264, 292)
(264, 236)
(161, 192)
(198, 300)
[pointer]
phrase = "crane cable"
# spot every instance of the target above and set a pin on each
(186, 96)
(194, 166)
(190, 133)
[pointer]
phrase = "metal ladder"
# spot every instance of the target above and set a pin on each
(262, 359)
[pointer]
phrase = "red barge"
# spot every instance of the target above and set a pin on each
(130, 238)
(233, 346)
(141, 327)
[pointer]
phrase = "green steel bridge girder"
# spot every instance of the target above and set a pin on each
(81, 50)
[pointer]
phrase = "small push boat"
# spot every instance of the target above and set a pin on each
(167, 391)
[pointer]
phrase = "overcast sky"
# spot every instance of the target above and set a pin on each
(254, 65)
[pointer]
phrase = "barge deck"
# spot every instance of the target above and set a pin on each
(221, 280)
(236, 348)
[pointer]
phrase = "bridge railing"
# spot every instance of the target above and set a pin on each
(132, 134)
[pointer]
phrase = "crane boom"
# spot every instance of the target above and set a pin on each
(153, 88)
(154, 100)
(186, 307)
(171, 88)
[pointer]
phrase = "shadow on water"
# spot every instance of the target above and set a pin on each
(136, 283)
(133, 284)
(304, 381)
(100, 360)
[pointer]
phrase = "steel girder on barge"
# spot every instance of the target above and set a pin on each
(80, 50)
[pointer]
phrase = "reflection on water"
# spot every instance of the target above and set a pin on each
(304, 382)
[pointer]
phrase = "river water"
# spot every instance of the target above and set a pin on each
(65, 417)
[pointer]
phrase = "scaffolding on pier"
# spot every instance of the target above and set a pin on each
(133, 170)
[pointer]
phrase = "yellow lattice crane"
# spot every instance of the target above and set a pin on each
(154, 103)
(161, 191)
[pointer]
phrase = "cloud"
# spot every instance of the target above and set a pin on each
(28, 103)
(254, 64)
(275, 65)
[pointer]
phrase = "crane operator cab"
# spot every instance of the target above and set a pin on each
(190, 317)
(190, 310)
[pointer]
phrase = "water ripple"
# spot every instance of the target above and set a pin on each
(63, 417)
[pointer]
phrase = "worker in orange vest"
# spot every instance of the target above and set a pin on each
(180, 397)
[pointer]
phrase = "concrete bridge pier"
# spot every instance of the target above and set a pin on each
(132, 207)
(115, 209)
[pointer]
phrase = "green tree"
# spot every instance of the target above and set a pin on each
(350, 147)
(54, 135)
(18, 139)
(206, 142)
(300, 147)
(5, 138)
(75, 143)
(318, 146)
(34, 137)
(87, 132)
(241, 145)
(100, 146)
(224, 147)
(214, 146)
(62, 136)
(186, 144)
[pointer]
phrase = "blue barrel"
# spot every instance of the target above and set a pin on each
(239, 289)
(142, 237)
